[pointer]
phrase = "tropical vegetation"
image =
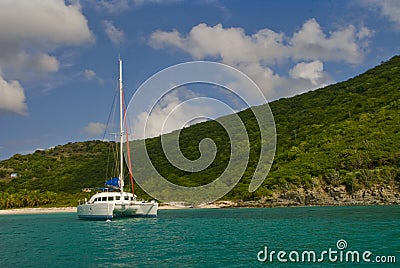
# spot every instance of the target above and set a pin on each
(344, 134)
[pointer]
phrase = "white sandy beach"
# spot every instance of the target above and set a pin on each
(162, 206)
(62, 210)
(58, 210)
(37, 210)
(18, 211)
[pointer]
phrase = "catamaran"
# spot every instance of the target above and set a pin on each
(114, 202)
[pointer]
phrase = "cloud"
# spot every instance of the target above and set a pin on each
(43, 63)
(257, 54)
(310, 43)
(112, 6)
(30, 31)
(43, 21)
(91, 75)
(95, 129)
(12, 97)
(388, 8)
(118, 6)
(115, 35)
(233, 45)
(176, 110)
(312, 71)
(229, 44)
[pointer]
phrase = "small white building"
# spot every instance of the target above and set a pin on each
(14, 175)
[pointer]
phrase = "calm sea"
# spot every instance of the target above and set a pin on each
(207, 238)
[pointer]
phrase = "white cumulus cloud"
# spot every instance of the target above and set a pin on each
(233, 45)
(175, 110)
(29, 32)
(312, 71)
(311, 43)
(388, 8)
(258, 54)
(95, 129)
(12, 97)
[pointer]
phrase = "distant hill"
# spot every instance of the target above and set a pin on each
(346, 134)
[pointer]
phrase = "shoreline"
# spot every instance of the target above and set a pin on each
(319, 195)
(377, 195)
(163, 206)
(50, 210)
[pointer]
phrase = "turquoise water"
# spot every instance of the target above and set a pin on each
(201, 238)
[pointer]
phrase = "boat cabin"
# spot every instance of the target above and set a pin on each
(111, 197)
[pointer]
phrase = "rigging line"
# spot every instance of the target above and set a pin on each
(108, 161)
(110, 115)
(128, 150)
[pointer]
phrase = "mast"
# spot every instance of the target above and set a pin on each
(121, 131)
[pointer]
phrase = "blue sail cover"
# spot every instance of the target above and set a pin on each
(113, 183)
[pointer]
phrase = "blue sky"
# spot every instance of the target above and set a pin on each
(59, 59)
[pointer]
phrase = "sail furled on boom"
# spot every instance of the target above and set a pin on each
(113, 183)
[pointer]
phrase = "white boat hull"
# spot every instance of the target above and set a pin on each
(109, 205)
(110, 211)
(96, 211)
(136, 209)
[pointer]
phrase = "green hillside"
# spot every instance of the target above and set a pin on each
(344, 134)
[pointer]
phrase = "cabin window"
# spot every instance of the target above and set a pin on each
(126, 197)
(104, 198)
(117, 198)
(95, 200)
(111, 198)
